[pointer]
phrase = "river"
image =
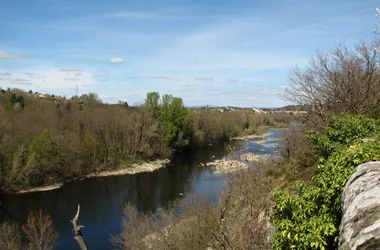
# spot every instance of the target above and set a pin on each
(102, 199)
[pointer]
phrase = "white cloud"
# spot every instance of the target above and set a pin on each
(104, 75)
(70, 70)
(116, 60)
(165, 78)
(251, 98)
(204, 79)
(2, 73)
(5, 55)
(75, 79)
(50, 78)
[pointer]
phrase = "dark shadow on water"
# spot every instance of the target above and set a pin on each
(102, 199)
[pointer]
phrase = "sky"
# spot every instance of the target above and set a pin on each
(209, 52)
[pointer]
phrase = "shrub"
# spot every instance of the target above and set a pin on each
(310, 218)
(10, 237)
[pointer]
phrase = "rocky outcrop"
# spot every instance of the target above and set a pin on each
(360, 225)
(225, 166)
(251, 157)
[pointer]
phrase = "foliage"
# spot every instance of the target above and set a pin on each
(54, 139)
(177, 121)
(341, 131)
(309, 219)
(44, 150)
(152, 102)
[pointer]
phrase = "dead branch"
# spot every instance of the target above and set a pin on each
(78, 233)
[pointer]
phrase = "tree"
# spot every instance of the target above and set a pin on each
(124, 104)
(152, 102)
(40, 231)
(90, 98)
(177, 120)
(43, 149)
(344, 80)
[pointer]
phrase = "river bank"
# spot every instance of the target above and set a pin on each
(134, 169)
(219, 166)
(248, 137)
(148, 192)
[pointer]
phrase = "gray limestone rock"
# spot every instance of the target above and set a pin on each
(360, 225)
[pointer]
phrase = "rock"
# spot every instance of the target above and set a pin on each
(134, 169)
(250, 157)
(180, 194)
(360, 225)
(227, 166)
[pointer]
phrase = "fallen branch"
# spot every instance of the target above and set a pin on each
(78, 233)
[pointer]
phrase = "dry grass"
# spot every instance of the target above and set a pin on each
(240, 220)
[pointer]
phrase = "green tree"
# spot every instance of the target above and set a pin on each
(44, 150)
(152, 102)
(177, 121)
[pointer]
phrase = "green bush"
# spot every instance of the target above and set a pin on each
(310, 218)
(343, 130)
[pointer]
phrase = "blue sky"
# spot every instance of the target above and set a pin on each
(207, 52)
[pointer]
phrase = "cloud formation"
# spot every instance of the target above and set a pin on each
(164, 78)
(18, 81)
(211, 79)
(104, 75)
(75, 79)
(70, 70)
(5, 55)
(116, 60)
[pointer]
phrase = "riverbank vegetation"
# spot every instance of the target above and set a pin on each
(47, 140)
(298, 201)
(37, 233)
(291, 201)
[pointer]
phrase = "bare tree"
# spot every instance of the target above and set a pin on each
(40, 232)
(343, 80)
(10, 237)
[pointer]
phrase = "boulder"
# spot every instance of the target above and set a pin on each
(360, 225)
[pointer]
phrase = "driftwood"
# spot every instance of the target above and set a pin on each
(78, 233)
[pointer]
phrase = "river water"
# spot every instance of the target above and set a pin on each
(102, 199)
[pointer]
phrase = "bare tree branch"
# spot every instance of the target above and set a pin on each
(77, 229)
(342, 80)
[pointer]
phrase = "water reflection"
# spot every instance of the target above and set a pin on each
(102, 199)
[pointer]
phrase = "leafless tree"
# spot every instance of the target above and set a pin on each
(343, 80)
(10, 237)
(40, 232)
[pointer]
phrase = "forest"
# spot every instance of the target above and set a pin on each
(50, 139)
